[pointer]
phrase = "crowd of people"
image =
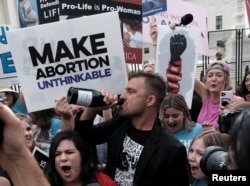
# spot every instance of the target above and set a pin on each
(152, 139)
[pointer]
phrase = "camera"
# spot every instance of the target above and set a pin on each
(214, 158)
(226, 120)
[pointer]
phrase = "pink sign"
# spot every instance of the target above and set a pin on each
(176, 9)
(247, 2)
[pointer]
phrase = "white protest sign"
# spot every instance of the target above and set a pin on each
(83, 52)
(176, 58)
(8, 74)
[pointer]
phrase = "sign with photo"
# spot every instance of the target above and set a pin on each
(130, 14)
(35, 12)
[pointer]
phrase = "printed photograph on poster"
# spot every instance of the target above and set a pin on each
(132, 33)
(27, 12)
(35, 12)
(49, 60)
(150, 7)
(176, 59)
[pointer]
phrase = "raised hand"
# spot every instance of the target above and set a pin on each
(153, 29)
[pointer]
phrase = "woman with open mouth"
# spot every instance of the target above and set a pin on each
(197, 147)
(72, 163)
(175, 116)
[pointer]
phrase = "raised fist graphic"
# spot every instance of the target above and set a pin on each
(178, 45)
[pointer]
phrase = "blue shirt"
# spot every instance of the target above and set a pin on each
(19, 108)
(186, 136)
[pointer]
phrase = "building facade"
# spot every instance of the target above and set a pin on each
(228, 33)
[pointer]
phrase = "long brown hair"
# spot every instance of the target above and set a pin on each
(178, 102)
(42, 119)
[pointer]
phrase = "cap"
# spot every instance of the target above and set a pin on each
(219, 65)
(218, 54)
(148, 63)
(6, 90)
(13, 88)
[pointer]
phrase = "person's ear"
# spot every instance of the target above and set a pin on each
(151, 100)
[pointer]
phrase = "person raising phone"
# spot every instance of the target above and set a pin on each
(216, 79)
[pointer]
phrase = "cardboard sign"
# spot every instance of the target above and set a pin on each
(247, 3)
(52, 57)
(176, 58)
(41, 157)
(8, 74)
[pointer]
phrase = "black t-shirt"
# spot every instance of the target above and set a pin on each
(136, 135)
(133, 145)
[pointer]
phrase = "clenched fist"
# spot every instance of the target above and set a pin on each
(178, 44)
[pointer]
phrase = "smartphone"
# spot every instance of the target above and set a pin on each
(41, 157)
(225, 97)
